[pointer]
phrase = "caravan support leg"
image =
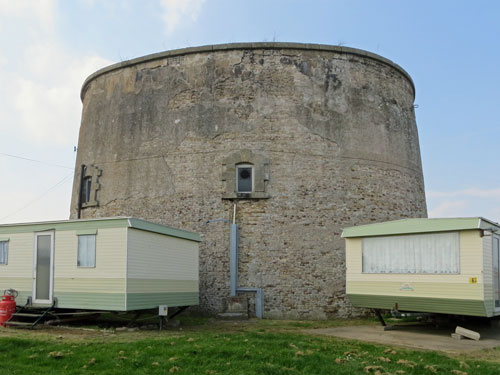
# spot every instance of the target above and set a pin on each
(380, 318)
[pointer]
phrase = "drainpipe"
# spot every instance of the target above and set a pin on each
(259, 299)
(233, 267)
(233, 257)
(233, 261)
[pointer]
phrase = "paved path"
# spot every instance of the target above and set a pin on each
(420, 337)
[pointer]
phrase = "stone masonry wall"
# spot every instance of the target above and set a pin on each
(336, 127)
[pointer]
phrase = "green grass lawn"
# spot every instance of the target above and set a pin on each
(265, 347)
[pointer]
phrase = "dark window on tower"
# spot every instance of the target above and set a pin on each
(86, 189)
(244, 178)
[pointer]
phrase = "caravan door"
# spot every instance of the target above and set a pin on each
(43, 268)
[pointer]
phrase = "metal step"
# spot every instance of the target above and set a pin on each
(79, 313)
(21, 324)
(35, 313)
(29, 315)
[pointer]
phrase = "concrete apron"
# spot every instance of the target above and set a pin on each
(416, 337)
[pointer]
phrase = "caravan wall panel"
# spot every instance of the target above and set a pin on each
(488, 275)
(101, 287)
(447, 293)
(18, 273)
(162, 270)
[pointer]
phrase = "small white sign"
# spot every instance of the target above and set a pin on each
(163, 310)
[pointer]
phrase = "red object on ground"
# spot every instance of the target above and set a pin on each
(7, 307)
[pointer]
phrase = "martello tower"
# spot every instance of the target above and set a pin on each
(305, 139)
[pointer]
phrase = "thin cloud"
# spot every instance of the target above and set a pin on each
(41, 80)
(88, 3)
(176, 12)
(449, 209)
(49, 110)
(43, 12)
(40, 84)
(465, 203)
(473, 192)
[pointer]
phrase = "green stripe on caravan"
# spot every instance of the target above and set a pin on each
(137, 301)
(436, 305)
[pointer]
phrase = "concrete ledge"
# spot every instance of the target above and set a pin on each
(254, 195)
(232, 316)
(246, 46)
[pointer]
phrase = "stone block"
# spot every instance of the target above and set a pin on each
(237, 305)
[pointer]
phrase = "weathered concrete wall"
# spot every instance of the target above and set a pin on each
(335, 125)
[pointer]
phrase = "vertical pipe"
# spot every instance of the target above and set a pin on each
(233, 255)
(259, 303)
(233, 270)
(233, 259)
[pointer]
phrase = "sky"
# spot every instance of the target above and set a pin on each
(48, 47)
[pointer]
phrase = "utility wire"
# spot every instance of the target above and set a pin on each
(39, 197)
(36, 161)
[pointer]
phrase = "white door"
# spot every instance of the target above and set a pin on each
(496, 272)
(43, 267)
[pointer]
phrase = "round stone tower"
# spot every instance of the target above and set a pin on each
(305, 139)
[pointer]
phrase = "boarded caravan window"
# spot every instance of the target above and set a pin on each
(437, 253)
(4, 252)
(86, 250)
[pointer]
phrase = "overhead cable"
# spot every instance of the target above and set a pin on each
(36, 161)
(38, 198)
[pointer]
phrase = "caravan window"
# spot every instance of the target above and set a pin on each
(86, 250)
(436, 253)
(4, 252)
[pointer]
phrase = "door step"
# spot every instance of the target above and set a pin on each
(28, 316)
(19, 324)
